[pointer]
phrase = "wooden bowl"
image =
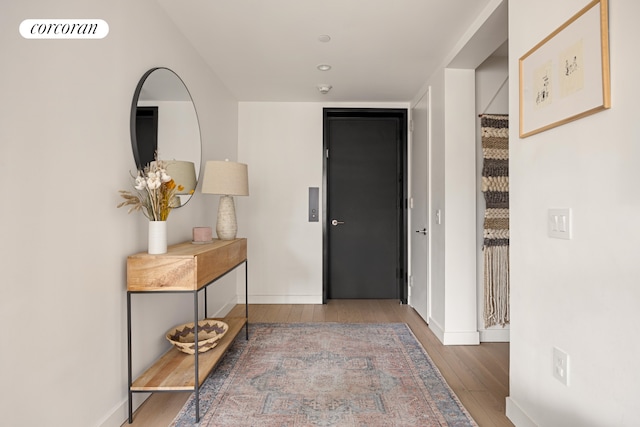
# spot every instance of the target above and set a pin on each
(210, 331)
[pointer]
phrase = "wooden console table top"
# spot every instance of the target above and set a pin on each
(185, 266)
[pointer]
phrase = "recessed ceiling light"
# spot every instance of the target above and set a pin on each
(324, 38)
(324, 67)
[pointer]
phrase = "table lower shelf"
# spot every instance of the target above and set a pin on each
(175, 370)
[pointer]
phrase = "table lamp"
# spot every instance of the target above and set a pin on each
(227, 179)
(183, 173)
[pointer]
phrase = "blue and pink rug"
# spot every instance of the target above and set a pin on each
(326, 374)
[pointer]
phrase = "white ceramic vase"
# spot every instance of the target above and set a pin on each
(157, 237)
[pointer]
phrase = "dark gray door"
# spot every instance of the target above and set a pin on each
(365, 215)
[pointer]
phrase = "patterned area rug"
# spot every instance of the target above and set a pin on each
(326, 374)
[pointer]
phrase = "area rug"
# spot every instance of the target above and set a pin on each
(326, 374)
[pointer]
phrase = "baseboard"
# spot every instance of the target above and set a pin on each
(226, 308)
(453, 338)
(517, 416)
(461, 338)
(495, 335)
(120, 413)
(436, 329)
(281, 299)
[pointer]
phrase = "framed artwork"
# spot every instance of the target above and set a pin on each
(566, 76)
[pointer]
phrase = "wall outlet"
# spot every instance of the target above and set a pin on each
(561, 366)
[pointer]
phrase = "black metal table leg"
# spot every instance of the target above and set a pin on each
(129, 371)
(196, 384)
(206, 311)
(246, 297)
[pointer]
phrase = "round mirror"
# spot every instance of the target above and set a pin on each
(164, 121)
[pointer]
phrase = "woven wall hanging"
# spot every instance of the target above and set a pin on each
(495, 186)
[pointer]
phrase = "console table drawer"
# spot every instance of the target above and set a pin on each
(185, 267)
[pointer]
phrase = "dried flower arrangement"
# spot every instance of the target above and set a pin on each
(155, 193)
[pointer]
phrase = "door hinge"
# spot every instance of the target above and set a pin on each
(411, 125)
(327, 153)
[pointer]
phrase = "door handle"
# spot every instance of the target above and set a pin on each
(335, 222)
(423, 231)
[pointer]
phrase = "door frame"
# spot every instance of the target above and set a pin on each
(403, 115)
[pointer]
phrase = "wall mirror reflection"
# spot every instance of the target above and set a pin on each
(164, 120)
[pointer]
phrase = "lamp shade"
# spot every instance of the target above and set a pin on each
(183, 173)
(226, 178)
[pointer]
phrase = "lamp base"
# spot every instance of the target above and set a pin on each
(226, 227)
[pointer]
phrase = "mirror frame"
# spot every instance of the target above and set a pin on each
(132, 121)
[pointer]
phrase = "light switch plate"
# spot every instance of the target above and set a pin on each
(559, 223)
(561, 366)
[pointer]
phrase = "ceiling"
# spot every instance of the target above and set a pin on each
(380, 50)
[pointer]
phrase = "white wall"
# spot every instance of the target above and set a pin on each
(453, 179)
(492, 97)
(580, 295)
(65, 152)
(460, 218)
(453, 275)
(282, 144)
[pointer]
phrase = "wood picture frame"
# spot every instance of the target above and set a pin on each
(566, 76)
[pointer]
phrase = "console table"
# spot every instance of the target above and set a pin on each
(184, 268)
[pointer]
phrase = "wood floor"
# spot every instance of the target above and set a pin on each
(479, 375)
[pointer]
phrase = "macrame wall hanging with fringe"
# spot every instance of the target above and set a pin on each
(495, 186)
